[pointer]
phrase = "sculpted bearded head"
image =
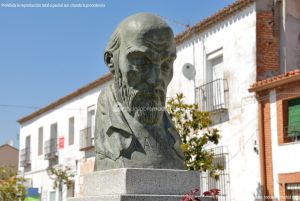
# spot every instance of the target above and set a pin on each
(140, 55)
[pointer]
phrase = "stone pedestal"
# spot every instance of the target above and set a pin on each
(138, 185)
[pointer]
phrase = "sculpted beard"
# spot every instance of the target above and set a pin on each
(146, 107)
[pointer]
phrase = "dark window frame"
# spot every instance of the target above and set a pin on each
(71, 131)
(288, 138)
(40, 140)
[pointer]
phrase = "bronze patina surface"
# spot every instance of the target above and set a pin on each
(133, 130)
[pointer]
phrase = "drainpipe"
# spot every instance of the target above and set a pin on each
(194, 78)
(262, 149)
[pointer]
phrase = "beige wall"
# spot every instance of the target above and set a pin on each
(9, 156)
(292, 35)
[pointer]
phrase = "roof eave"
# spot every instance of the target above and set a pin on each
(275, 84)
(105, 78)
(210, 21)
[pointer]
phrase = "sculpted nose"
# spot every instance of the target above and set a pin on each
(154, 75)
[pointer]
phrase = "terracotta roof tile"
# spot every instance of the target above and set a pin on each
(212, 20)
(275, 81)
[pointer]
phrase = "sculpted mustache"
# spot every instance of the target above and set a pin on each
(155, 92)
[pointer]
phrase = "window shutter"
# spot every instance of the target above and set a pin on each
(294, 117)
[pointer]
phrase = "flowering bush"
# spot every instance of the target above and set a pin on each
(192, 195)
(190, 122)
(212, 193)
(11, 185)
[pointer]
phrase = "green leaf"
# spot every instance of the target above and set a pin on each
(190, 122)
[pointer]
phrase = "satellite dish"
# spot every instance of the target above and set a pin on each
(10, 142)
(189, 71)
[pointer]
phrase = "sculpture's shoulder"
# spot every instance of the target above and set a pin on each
(170, 125)
(174, 133)
(105, 100)
(105, 94)
(112, 134)
(110, 117)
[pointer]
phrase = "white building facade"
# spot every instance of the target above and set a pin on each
(217, 61)
(279, 103)
(214, 68)
(61, 136)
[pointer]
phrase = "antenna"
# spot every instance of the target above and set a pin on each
(186, 26)
(10, 142)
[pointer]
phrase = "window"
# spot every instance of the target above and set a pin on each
(91, 121)
(51, 144)
(50, 148)
(292, 120)
(52, 196)
(214, 68)
(71, 190)
(27, 145)
(87, 134)
(53, 131)
(293, 192)
(294, 117)
(26, 155)
(212, 95)
(215, 77)
(40, 140)
(206, 182)
(71, 130)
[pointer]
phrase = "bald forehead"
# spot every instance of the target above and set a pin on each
(147, 30)
(142, 22)
(145, 26)
(157, 43)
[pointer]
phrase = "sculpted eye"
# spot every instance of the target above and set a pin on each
(139, 60)
(166, 66)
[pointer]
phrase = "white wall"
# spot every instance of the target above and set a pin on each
(237, 38)
(290, 36)
(77, 108)
(281, 163)
(239, 127)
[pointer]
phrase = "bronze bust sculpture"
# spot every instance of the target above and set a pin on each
(133, 130)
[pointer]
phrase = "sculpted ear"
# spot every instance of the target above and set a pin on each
(108, 59)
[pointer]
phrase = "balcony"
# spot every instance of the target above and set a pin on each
(51, 149)
(213, 96)
(25, 157)
(86, 139)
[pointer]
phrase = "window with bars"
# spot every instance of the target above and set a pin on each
(221, 155)
(293, 192)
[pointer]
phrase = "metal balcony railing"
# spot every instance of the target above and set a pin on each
(25, 157)
(213, 96)
(51, 149)
(86, 139)
(221, 157)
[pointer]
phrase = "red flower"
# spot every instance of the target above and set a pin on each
(207, 193)
(193, 192)
(215, 191)
(191, 196)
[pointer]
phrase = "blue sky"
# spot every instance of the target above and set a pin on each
(46, 53)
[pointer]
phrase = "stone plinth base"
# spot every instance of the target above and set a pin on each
(138, 185)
